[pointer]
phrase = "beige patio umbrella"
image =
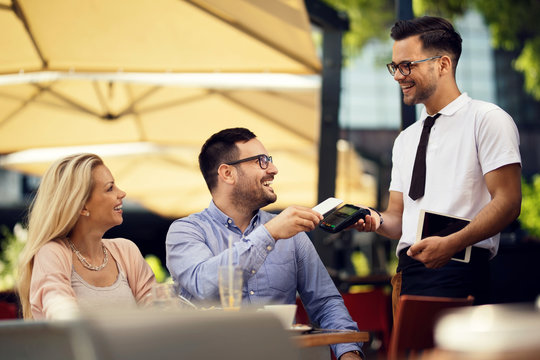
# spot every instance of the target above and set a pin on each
(101, 60)
(171, 122)
(93, 72)
(156, 36)
(167, 181)
(70, 112)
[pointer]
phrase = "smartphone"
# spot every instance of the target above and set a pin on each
(343, 217)
(327, 205)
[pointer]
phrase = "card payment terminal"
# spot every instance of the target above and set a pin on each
(343, 217)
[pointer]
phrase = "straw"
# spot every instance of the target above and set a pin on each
(230, 270)
(230, 251)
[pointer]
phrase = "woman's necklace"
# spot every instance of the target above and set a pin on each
(85, 262)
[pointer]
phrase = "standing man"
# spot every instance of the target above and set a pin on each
(471, 169)
(277, 257)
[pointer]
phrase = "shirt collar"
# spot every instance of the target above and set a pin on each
(225, 220)
(451, 108)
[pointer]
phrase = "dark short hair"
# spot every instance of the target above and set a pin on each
(219, 149)
(436, 34)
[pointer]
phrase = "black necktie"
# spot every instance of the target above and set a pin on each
(418, 181)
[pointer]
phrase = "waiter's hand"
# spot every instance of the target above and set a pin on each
(370, 224)
(293, 220)
(433, 251)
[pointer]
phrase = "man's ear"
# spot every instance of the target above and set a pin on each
(227, 173)
(445, 65)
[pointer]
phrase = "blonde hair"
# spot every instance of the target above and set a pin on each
(62, 193)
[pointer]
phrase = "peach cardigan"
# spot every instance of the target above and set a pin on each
(51, 275)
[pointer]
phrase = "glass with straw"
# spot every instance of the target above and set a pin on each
(230, 283)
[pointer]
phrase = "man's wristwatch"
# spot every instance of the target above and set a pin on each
(381, 221)
(357, 353)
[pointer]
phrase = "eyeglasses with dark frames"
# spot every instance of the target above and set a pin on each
(264, 160)
(405, 67)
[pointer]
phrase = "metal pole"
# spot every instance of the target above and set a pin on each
(330, 97)
(332, 25)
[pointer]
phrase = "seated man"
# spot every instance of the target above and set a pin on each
(276, 255)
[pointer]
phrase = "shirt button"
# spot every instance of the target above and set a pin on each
(252, 292)
(253, 271)
(269, 248)
(229, 221)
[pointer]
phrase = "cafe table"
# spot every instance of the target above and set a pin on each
(314, 345)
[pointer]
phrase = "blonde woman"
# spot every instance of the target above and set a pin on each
(66, 263)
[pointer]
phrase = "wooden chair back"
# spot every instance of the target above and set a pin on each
(415, 322)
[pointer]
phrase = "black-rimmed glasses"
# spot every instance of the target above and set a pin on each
(405, 67)
(264, 160)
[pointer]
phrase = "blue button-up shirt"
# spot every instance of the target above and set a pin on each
(274, 271)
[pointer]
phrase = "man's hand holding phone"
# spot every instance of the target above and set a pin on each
(293, 220)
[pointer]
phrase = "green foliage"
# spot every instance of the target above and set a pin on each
(362, 268)
(159, 271)
(11, 245)
(530, 206)
(514, 25)
(369, 20)
(443, 8)
(529, 64)
(511, 22)
(360, 263)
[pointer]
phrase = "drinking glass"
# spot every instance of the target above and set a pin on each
(230, 287)
(164, 296)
